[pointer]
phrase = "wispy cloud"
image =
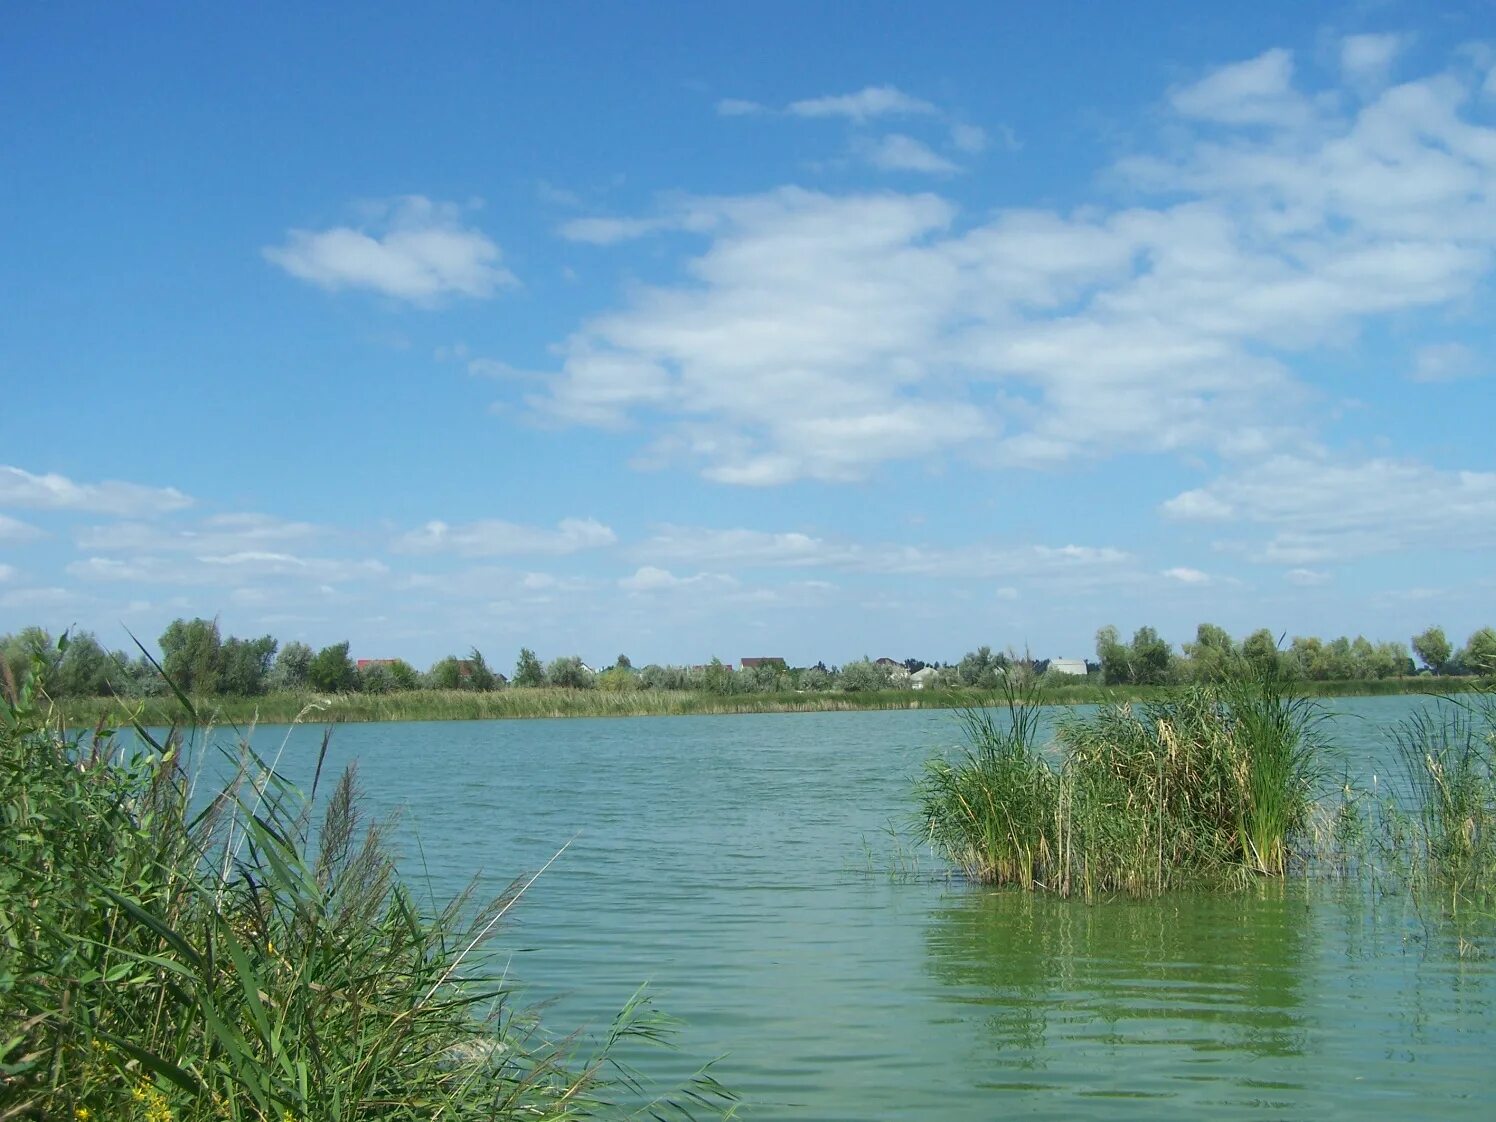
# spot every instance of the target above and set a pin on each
(13, 531)
(864, 105)
(57, 492)
(496, 538)
(897, 152)
(1445, 362)
(411, 249)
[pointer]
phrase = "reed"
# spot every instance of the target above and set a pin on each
(251, 954)
(1439, 826)
(1211, 784)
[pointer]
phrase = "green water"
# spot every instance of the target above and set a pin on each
(740, 865)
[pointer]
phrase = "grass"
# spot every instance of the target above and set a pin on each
(523, 702)
(1438, 830)
(1206, 785)
(174, 954)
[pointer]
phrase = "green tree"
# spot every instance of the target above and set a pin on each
(1115, 657)
(1433, 649)
(192, 655)
(85, 668)
(568, 673)
(246, 665)
(528, 671)
(1260, 651)
(332, 671)
(1153, 658)
(291, 667)
(980, 669)
(717, 677)
(865, 676)
(479, 676)
(1480, 652)
(1213, 655)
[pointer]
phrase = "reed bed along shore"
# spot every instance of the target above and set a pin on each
(552, 702)
(1211, 786)
(172, 953)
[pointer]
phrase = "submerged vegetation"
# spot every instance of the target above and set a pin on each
(172, 954)
(1209, 785)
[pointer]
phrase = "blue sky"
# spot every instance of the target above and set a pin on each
(687, 329)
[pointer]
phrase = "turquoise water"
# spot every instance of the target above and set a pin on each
(742, 867)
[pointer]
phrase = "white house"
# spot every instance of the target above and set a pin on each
(1072, 666)
(922, 678)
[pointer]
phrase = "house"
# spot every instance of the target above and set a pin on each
(755, 663)
(923, 679)
(1076, 667)
(365, 663)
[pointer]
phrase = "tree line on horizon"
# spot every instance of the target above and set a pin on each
(202, 662)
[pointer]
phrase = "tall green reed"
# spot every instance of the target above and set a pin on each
(252, 954)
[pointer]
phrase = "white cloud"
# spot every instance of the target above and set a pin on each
(1317, 509)
(13, 531)
(217, 534)
(1445, 362)
(226, 570)
(1306, 578)
(648, 578)
(7, 572)
(412, 249)
(37, 598)
(970, 139)
(1185, 575)
(738, 107)
(1366, 59)
(863, 106)
(897, 152)
(58, 492)
(757, 548)
(904, 330)
(495, 538)
(1256, 92)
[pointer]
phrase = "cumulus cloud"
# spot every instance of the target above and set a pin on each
(1366, 59)
(1268, 223)
(1444, 362)
(1186, 575)
(218, 534)
(649, 578)
(58, 492)
(1313, 509)
(411, 249)
(495, 538)
(897, 152)
(759, 548)
(13, 531)
(863, 106)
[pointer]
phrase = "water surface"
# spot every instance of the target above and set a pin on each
(741, 866)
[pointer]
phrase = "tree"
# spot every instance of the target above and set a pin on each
(84, 669)
(246, 665)
(192, 655)
(332, 671)
(445, 674)
(479, 676)
(980, 669)
(1260, 650)
(1153, 658)
(1480, 652)
(1212, 655)
(623, 663)
(1433, 649)
(291, 667)
(528, 671)
(568, 673)
(864, 676)
(1114, 655)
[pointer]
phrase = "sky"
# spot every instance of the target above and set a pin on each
(808, 330)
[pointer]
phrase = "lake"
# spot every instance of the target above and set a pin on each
(742, 867)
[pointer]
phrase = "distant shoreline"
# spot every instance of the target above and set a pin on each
(521, 703)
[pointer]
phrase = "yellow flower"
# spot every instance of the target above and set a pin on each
(82, 1114)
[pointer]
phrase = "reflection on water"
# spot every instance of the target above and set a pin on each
(1291, 999)
(717, 859)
